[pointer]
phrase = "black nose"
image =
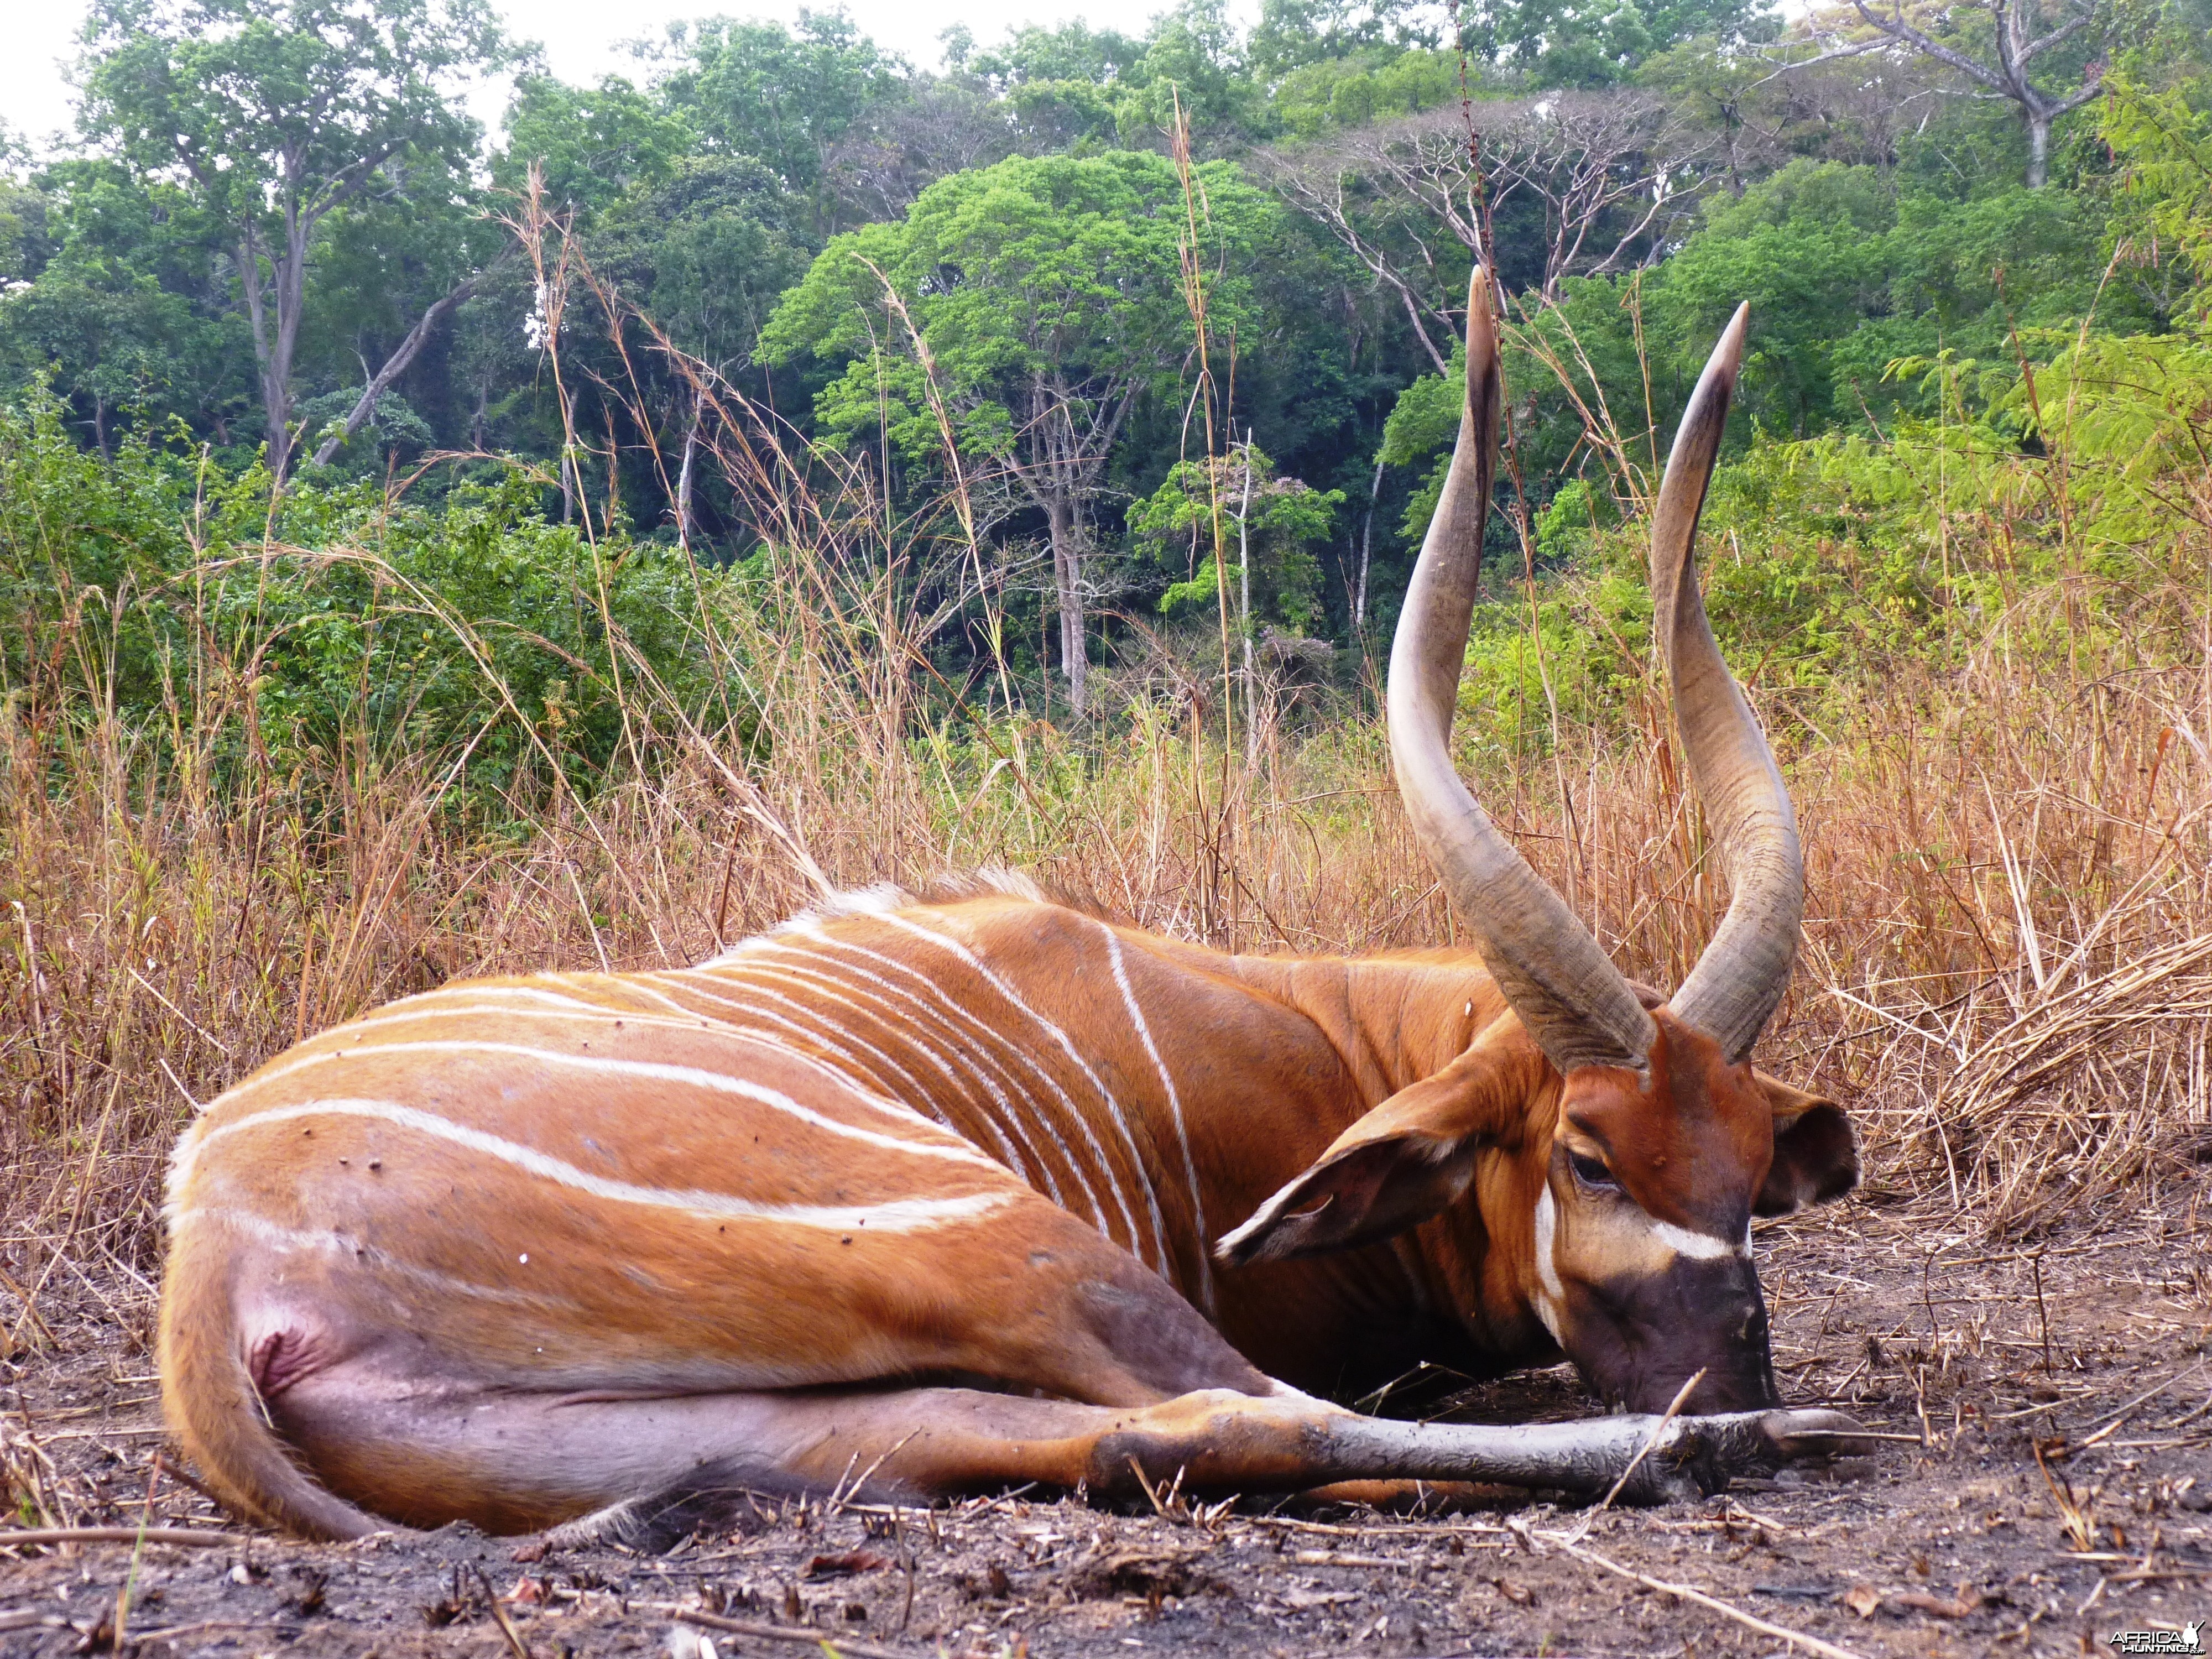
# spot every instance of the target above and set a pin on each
(1739, 1373)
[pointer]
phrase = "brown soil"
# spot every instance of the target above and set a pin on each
(1953, 1541)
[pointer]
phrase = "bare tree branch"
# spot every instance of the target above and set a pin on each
(2015, 45)
(402, 354)
(1600, 165)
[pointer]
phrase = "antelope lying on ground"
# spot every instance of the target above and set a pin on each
(921, 1193)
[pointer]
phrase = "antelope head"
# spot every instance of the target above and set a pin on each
(1626, 1139)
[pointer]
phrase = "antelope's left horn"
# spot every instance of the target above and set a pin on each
(1741, 978)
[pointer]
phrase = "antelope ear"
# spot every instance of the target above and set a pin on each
(1402, 1163)
(1815, 1155)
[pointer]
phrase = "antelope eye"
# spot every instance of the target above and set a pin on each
(1592, 1172)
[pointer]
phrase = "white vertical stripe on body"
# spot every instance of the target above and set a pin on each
(990, 1036)
(1174, 1110)
(1113, 1106)
(813, 965)
(725, 986)
(868, 1089)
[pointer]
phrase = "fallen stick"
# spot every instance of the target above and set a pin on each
(804, 1636)
(2140, 1400)
(31, 1619)
(1812, 1643)
(187, 1535)
(178, 1632)
(1392, 1527)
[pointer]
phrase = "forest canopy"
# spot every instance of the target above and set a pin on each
(1081, 324)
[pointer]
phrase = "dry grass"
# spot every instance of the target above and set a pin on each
(2007, 970)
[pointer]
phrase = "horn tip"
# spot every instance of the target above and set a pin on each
(1481, 324)
(1730, 353)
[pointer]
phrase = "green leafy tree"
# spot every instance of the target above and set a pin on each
(1274, 522)
(1048, 297)
(2163, 140)
(1293, 34)
(1072, 88)
(1061, 84)
(279, 113)
(1194, 70)
(782, 96)
(592, 144)
(707, 252)
(2026, 45)
(391, 269)
(106, 298)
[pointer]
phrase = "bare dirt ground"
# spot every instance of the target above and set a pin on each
(2090, 1348)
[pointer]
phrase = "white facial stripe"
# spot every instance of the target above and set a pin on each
(1550, 1294)
(1174, 1110)
(940, 1144)
(1698, 1247)
(897, 1215)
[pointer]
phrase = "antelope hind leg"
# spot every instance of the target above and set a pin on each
(922, 1444)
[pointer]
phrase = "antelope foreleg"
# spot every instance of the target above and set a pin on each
(511, 1462)
(1687, 1458)
(939, 1442)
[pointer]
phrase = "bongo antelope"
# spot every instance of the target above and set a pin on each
(923, 1194)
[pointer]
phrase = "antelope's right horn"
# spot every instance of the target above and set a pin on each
(1573, 1000)
(1741, 978)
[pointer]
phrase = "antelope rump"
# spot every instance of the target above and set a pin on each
(922, 1195)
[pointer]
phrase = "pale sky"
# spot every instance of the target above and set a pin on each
(581, 38)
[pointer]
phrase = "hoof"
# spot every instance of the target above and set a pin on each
(1800, 1434)
(1702, 1453)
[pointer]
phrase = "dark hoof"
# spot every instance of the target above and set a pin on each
(1698, 1455)
(1794, 1435)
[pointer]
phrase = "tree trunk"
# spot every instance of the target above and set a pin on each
(2039, 148)
(1366, 547)
(1244, 612)
(1067, 578)
(276, 400)
(274, 347)
(684, 477)
(291, 274)
(569, 480)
